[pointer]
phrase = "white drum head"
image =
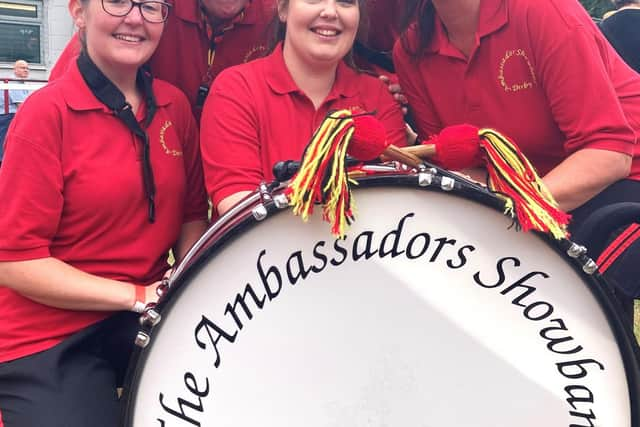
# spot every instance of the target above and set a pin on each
(451, 320)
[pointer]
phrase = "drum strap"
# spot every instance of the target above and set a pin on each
(107, 93)
(627, 238)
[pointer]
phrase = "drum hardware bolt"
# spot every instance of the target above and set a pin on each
(162, 288)
(433, 171)
(590, 266)
(447, 183)
(265, 195)
(576, 250)
(150, 318)
(259, 212)
(142, 339)
(281, 201)
(425, 179)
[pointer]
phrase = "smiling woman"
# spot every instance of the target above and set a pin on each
(83, 246)
(266, 111)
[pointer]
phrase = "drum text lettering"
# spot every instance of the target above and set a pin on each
(192, 386)
(319, 256)
(296, 269)
(565, 368)
(555, 342)
(208, 325)
(241, 299)
(265, 277)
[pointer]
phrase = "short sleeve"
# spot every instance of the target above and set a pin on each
(229, 139)
(31, 182)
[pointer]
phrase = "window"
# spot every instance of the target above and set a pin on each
(20, 31)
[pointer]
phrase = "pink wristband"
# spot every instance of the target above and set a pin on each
(139, 304)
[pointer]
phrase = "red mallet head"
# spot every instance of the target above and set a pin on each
(369, 138)
(457, 147)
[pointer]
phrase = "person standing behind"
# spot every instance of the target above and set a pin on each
(201, 38)
(102, 177)
(266, 110)
(16, 98)
(622, 29)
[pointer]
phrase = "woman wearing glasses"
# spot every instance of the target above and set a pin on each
(101, 178)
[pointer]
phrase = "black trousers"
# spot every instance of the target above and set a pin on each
(72, 384)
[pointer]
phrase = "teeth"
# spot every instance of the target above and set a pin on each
(128, 38)
(327, 32)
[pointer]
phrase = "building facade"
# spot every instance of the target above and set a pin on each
(34, 30)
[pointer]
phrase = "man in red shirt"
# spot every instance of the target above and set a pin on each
(200, 39)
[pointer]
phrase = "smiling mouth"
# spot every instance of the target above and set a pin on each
(128, 38)
(325, 32)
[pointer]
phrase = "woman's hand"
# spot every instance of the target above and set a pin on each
(396, 91)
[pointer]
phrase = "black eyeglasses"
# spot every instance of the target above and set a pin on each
(155, 12)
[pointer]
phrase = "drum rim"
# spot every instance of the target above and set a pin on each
(239, 218)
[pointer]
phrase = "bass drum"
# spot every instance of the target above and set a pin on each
(433, 311)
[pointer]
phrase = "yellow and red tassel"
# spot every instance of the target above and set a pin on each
(323, 177)
(511, 175)
(514, 179)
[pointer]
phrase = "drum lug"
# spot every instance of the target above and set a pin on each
(259, 212)
(150, 318)
(163, 287)
(576, 250)
(590, 266)
(281, 201)
(265, 194)
(447, 183)
(425, 176)
(142, 339)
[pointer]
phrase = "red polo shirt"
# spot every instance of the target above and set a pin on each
(256, 115)
(541, 73)
(182, 55)
(71, 188)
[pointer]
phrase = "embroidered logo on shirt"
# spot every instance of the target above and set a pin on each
(516, 71)
(170, 151)
(255, 52)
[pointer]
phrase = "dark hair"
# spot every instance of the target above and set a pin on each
(421, 14)
(278, 30)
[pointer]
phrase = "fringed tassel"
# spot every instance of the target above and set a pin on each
(514, 179)
(323, 177)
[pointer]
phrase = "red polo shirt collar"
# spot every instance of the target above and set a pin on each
(189, 10)
(79, 97)
(280, 81)
(494, 15)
